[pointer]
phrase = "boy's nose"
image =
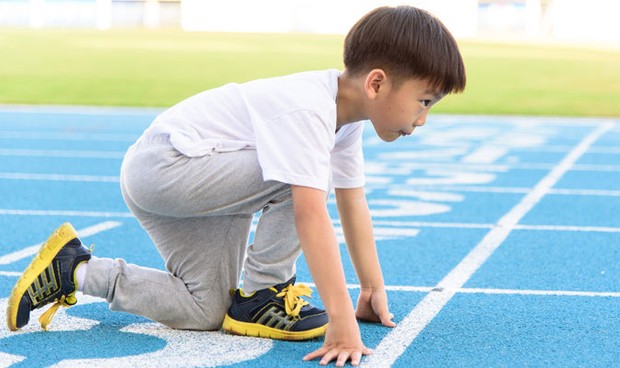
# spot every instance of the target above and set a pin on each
(421, 120)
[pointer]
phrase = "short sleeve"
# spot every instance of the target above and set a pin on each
(347, 159)
(295, 148)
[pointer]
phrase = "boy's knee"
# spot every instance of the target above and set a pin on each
(204, 316)
(209, 321)
(199, 322)
(202, 324)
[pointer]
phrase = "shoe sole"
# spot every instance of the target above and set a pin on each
(257, 330)
(61, 236)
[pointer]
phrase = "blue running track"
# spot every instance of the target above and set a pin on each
(499, 239)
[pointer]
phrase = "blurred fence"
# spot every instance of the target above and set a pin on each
(562, 20)
(100, 14)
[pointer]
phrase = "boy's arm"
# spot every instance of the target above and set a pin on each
(318, 242)
(357, 227)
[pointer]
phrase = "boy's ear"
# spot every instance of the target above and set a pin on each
(375, 81)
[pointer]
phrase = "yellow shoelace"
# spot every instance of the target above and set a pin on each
(65, 301)
(292, 298)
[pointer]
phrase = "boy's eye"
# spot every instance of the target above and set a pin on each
(426, 103)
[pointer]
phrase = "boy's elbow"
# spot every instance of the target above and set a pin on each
(309, 204)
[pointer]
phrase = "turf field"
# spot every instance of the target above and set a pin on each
(160, 68)
(499, 236)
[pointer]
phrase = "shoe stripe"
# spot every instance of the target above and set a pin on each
(45, 285)
(276, 318)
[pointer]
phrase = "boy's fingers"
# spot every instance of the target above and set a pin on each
(329, 356)
(356, 358)
(342, 359)
(315, 354)
(386, 320)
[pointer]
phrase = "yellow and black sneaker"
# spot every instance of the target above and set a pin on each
(278, 312)
(50, 277)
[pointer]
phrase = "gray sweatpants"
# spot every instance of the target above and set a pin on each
(198, 213)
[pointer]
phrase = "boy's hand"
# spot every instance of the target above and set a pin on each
(343, 343)
(372, 306)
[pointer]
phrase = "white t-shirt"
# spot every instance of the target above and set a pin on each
(290, 121)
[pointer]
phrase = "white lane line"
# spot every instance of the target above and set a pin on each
(514, 190)
(379, 169)
(33, 249)
(473, 188)
(598, 229)
(600, 294)
(84, 110)
(10, 273)
(428, 289)
(605, 150)
(65, 136)
(456, 225)
(594, 167)
(59, 177)
(586, 192)
(61, 153)
(397, 341)
(13, 212)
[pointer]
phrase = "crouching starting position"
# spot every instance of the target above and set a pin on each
(202, 170)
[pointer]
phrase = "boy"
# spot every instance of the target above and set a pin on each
(200, 172)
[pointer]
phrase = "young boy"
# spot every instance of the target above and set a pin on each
(200, 172)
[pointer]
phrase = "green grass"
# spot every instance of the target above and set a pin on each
(160, 68)
(539, 80)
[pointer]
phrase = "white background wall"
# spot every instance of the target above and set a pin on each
(591, 20)
(316, 16)
(573, 21)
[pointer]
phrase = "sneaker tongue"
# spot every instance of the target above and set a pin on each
(281, 286)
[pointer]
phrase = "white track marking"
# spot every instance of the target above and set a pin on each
(379, 168)
(485, 155)
(600, 294)
(468, 188)
(564, 149)
(428, 289)
(7, 211)
(457, 225)
(59, 177)
(83, 110)
(7, 360)
(33, 249)
(514, 190)
(592, 167)
(66, 136)
(586, 192)
(61, 153)
(10, 273)
(397, 341)
(598, 229)
(183, 348)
